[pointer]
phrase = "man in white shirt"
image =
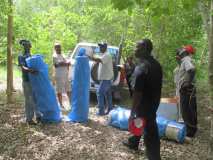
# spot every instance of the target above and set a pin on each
(61, 73)
(105, 76)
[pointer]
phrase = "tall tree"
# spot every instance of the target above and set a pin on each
(206, 8)
(210, 40)
(9, 53)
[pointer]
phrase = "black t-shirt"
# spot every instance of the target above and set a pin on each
(147, 79)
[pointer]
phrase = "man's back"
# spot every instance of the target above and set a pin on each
(148, 80)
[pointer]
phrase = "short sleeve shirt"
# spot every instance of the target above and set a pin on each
(186, 65)
(147, 79)
(61, 71)
(105, 68)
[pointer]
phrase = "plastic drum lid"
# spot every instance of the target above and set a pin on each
(172, 132)
(176, 131)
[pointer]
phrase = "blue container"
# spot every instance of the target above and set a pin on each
(118, 117)
(176, 131)
(168, 110)
(80, 88)
(43, 91)
(162, 124)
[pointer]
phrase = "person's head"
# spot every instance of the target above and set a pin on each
(143, 48)
(57, 48)
(103, 47)
(26, 45)
(187, 50)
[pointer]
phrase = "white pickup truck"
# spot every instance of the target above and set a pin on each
(93, 48)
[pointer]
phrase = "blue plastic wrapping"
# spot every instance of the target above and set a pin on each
(118, 117)
(176, 131)
(45, 98)
(80, 88)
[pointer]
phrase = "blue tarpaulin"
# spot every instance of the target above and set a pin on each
(43, 90)
(80, 88)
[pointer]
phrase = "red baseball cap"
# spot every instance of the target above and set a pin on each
(190, 49)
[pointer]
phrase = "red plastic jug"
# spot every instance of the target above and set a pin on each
(136, 126)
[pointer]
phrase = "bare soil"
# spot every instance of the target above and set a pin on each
(94, 140)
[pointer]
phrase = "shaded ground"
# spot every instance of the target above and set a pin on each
(92, 141)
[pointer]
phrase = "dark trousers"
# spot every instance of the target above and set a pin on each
(188, 106)
(151, 140)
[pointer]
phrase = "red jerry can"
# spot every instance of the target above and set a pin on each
(136, 126)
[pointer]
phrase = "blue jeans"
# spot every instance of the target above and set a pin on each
(104, 94)
(30, 107)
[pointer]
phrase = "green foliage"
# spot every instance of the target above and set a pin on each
(169, 23)
(3, 29)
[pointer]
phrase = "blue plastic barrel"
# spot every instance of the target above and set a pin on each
(118, 117)
(176, 131)
(80, 88)
(162, 124)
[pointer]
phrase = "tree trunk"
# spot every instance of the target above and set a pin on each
(207, 16)
(211, 54)
(9, 53)
(210, 58)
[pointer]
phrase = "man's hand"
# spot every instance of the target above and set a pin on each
(96, 59)
(66, 63)
(29, 70)
(33, 71)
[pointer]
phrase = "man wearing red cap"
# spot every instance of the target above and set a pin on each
(186, 88)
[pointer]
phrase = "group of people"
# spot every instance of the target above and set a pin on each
(144, 81)
(62, 81)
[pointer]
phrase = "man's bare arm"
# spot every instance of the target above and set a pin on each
(98, 60)
(29, 70)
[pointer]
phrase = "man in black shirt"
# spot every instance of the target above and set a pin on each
(30, 107)
(147, 84)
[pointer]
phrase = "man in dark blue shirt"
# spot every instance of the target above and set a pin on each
(30, 108)
(146, 84)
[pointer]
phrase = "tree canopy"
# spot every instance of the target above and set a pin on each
(170, 25)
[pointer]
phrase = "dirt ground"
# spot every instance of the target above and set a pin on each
(94, 140)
